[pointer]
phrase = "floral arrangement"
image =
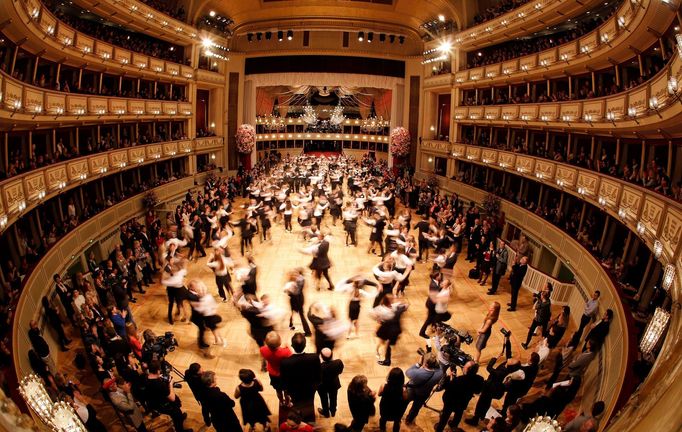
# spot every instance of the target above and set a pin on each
(246, 138)
(150, 200)
(400, 141)
(491, 204)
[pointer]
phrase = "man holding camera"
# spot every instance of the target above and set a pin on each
(162, 398)
(459, 390)
(423, 378)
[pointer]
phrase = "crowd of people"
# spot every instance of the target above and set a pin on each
(19, 162)
(171, 9)
(115, 34)
(652, 176)
(519, 48)
(313, 192)
(500, 8)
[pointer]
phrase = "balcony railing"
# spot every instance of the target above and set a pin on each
(648, 214)
(21, 101)
(144, 18)
(532, 16)
(20, 193)
(645, 108)
(606, 42)
(58, 36)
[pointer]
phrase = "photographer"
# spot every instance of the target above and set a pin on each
(543, 313)
(459, 390)
(423, 378)
(493, 388)
(161, 396)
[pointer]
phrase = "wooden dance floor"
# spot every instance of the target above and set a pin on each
(467, 306)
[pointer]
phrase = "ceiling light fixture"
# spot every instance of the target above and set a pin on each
(290, 35)
(280, 36)
(361, 36)
(370, 37)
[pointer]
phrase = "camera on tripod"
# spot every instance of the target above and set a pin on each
(451, 350)
(156, 347)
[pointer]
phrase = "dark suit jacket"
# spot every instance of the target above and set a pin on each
(221, 408)
(301, 375)
(518, 274)
(599, 332)
(330, 371)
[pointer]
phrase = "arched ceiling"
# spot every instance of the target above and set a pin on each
(249, 15)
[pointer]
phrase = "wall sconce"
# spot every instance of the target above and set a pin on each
(3, 221)
(581, 190)
(82, 176)
(41, 195)
(653, 103)
(213, 156)
(602, 201)
(668, 277)
(640, 228)
(22, 206)
(212, 125)
(560, 183)
(658, 249)
(430, 159)
(621, 213)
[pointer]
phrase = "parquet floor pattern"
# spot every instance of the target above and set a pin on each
(274, 257)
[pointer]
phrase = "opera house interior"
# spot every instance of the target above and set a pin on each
(341, 215)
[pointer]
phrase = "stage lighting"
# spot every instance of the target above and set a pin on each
(391, 38)
(361, 36)
(382, 37)
(401, 39)
(290, 35)
(370, 37)
(268, 35)
(280, 35)
(250, 37)
(259, 36)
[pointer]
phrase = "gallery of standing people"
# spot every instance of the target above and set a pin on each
(342, 215)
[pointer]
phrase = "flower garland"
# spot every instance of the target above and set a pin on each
(246, 138)
(400, 141)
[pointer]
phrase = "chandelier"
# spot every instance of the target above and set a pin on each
(271, 122)
(373, 124)
(58, 416)
(314, 124)
(543, 424)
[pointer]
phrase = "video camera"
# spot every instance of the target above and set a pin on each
(159, 347)
(451, 350)
(451, 333)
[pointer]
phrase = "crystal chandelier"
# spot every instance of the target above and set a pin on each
(309, 115)
(271, 122)
(543, 424)
(654, 331)
(58, 416)
(337, 116)
(33, 391)
(373, 124)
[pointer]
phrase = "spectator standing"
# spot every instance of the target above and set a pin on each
(361, 402)
(516, 280)
(330, 383)
(423, 378)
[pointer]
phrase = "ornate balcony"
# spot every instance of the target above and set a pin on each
(648, 214)
(608, 43)
(20, 193)
(24, 102)
(645, 109)
(57, 39)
